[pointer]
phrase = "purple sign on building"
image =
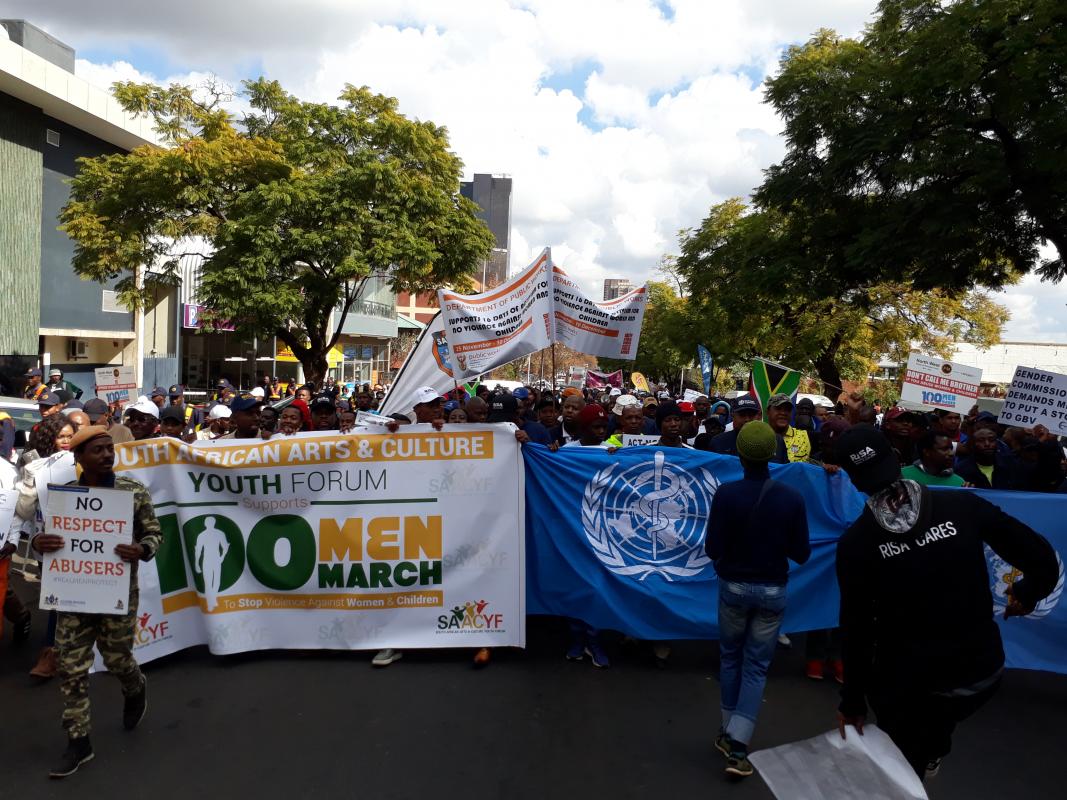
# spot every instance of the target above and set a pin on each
(192, 318)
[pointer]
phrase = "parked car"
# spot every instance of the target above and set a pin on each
(25, 415)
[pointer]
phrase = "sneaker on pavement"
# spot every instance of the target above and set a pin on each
(383, 658)
(596, 654)
(932, 768)
(77, 753)
(737, 764)
(814, 669)
(134, 708)
(723, 744)
(839, 670)
(784, 640)
(576, 652)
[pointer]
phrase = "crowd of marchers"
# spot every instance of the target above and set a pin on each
(907, 535)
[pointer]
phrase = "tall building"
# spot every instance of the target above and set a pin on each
(48, 119)
(492, 195)
(616, 287)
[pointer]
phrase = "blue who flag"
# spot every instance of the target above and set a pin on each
(617, 540)
(705, 366)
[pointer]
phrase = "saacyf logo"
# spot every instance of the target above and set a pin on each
(474, 615)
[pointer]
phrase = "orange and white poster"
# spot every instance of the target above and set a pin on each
(495, 327)
(610, 329)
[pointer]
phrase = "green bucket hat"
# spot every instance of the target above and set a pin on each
(757, 442)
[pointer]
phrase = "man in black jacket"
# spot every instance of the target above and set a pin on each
(919, 640)
(755, 527)
(987, 468)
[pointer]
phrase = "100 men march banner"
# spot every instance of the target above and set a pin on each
(352, 541)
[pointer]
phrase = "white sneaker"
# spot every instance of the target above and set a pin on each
(784, 640)
(383, 658)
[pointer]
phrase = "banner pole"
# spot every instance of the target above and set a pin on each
(553, 367)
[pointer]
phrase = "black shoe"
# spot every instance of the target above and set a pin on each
(134, 708)
(738, 765)
(21, 630)
(77, 753)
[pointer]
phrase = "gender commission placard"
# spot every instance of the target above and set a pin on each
(357, 541)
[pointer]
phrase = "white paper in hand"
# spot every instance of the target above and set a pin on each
(828, 767)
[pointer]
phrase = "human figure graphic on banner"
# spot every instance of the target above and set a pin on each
(211, 549)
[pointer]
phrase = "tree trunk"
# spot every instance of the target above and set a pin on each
(315, 367)
(827, 370)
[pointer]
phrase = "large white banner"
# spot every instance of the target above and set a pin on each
(495, 327)
(610, 329)
(356, 541)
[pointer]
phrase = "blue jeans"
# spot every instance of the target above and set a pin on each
(750, 615)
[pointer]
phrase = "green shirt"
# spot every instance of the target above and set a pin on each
(917, 474)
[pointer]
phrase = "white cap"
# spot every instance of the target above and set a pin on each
(257, 392)
(145, 406)
(54, 371)
(425, 394)
(219, 411)
(615, 391)
(626, 401)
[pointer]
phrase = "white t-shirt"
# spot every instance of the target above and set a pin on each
(577, 443)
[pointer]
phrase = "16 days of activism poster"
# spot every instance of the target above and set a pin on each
(341, 541)
(86, 576)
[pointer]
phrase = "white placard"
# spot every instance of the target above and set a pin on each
(57, 468)
(8, 498)
(828, 767)
(934, 382)
(639, 440)
(370, 419)
(86, 576)
(1036, 397)
(576, 376)
(115, 384)
(690, 395)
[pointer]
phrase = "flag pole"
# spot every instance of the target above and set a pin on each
(553, 367)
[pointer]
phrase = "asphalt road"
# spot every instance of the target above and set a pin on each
(286, 724)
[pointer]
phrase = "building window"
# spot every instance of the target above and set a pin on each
(52, 137)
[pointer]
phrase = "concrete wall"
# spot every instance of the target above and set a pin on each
(67, 301)
(21, 140)
(998, 363)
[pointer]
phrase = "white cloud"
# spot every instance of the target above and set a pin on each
(620, 121)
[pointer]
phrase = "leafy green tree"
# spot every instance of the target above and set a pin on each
(751, 293)
(928, 153)
(293, 209)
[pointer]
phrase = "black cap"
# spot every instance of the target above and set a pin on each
(503, 408)
(668, 408)
(175, 391)
(158, 391)
(747, 402)
(321, 404)
(48, 399)
(805, 405)
(173, 413)
(246, 403)
(868, 458)
(95, 407)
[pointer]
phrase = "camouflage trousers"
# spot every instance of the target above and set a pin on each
(75, 636)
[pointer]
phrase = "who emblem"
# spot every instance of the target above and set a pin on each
(1004, 575)
(649, 518)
